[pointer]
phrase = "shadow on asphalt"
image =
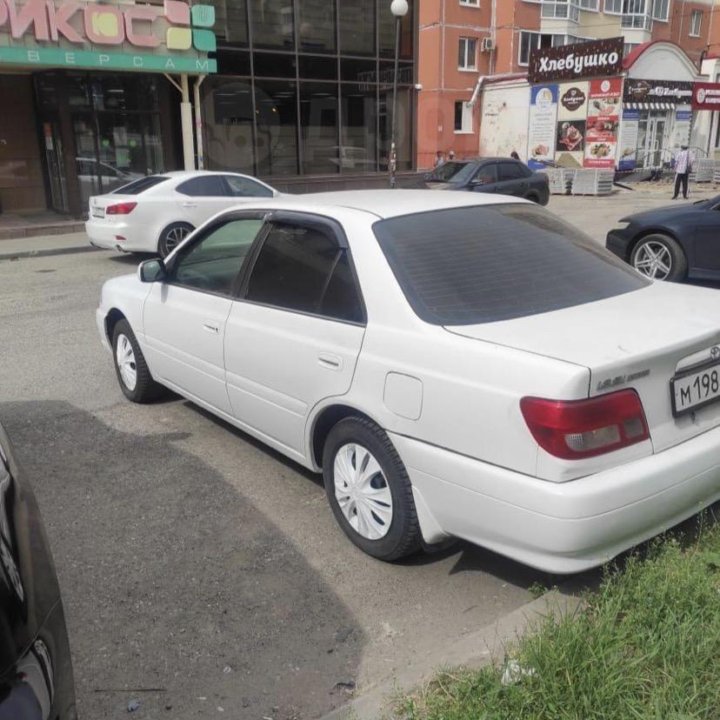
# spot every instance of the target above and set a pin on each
(177, 590)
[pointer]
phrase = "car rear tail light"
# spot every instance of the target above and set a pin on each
(584, 428)
(120, 209)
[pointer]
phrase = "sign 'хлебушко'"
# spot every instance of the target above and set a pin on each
(596, 58)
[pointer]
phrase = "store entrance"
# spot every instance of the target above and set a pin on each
(651, 139)
(102, 131)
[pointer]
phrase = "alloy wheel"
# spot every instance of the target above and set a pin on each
(174, 237)
(654, 260)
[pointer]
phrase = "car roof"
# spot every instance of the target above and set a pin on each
(182, 174)
(385, 203)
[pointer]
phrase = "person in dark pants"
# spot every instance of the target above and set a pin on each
(683, 167)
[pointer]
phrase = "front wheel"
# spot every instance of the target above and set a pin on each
(172, 236)
(659, 257)
(132, 371)
(369, 490)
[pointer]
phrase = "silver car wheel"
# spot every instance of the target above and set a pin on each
(174, 237)
(125, 359)
(653, 259)
(362, 491)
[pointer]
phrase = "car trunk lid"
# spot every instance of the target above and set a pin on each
(641, 340)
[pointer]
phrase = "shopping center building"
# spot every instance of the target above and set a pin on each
(97, 93)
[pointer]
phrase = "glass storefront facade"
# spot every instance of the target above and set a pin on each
(100, 131)
(304, 87)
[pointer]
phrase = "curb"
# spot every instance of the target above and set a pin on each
(27, 231)
(473, 651)
(46, 252)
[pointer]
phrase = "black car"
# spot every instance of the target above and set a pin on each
(36, 677)
(504, 176)
(677, 242)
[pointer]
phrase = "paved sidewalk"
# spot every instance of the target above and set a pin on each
(44, 245)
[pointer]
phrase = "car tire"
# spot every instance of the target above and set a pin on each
(369, 490)
(659, 257)
(132, 371)
(172, 236)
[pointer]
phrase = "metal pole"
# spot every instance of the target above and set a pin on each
(198, 123)
(187, 125)
(393, 153)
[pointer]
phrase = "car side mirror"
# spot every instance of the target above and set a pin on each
(150, 271)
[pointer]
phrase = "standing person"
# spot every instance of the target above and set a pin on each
(439, 158)
(683, 167)
(451, 155)
(514, 155)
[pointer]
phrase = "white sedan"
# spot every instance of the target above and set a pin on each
(155, 213)
(456, 365)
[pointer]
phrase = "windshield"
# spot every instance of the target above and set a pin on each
(470, 265)
(452, 172)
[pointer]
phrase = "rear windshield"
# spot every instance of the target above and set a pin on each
(465, 266)
(454, 172)
(138, 186)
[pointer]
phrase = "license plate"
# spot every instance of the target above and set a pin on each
(98, 212)
(695, 389)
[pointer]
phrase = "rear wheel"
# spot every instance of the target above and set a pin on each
(172, 236)
(659, 257)
(369, 490)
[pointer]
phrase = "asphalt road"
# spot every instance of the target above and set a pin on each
(202, 573)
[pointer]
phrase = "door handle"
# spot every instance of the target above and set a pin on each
(330, 361)
(211, 327)
(189, 205)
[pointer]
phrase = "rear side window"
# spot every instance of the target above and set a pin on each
(139, 186)
(245, 187)
(512, 171)
(204, 186)
(465, 266)
(305, 270)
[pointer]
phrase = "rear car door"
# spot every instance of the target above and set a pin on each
(705, 253)
(294, 335)
(199, 198)
(512, 180)
(185, 316)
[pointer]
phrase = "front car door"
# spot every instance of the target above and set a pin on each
(485, 179)
(703, 233)
(199, 198)
(185, 316)
(294, 334)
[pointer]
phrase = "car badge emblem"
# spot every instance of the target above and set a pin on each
(715, 352)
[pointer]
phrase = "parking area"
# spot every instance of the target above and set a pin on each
(202, 573)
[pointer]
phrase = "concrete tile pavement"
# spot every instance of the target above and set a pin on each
(22, 247)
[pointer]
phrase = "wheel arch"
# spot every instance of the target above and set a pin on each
(324, 421)
(111, 320)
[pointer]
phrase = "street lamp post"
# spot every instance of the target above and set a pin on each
(399, 9)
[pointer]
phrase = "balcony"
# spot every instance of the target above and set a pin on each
(560, 11)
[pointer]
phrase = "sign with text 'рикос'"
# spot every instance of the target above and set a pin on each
(597, 58)
(118, 36)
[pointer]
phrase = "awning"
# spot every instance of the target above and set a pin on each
(649, 106)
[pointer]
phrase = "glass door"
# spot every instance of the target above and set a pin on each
(57, 179)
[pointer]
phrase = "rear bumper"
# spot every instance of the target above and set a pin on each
(563, 527)
(111, 237)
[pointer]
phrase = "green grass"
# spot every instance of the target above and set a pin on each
(647, 646)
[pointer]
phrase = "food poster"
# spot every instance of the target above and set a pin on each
(541, 133)
(603, 122)
(571, 124)
(628, 145)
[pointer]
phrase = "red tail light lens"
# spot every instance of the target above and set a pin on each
(120, 209)
(584, 428)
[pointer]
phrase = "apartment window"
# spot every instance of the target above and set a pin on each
(561, 9)
(593, 5)
(467, 54)
(463, 117)
(471, 3)
(695, 23)
(628, 48)
(530, 40)
(614, 7)
(661, 10)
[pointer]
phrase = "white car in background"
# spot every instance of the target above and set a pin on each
(455, 364)
(155, 213)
